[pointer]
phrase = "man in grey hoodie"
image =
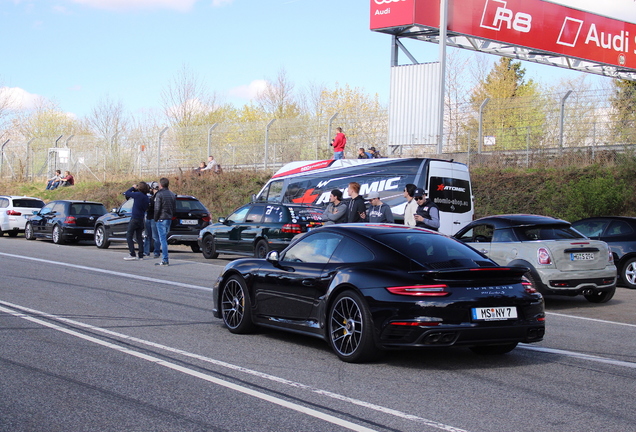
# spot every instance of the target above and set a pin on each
(378, 212)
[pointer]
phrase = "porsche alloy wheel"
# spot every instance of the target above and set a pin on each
(235, 306)
(351, 328)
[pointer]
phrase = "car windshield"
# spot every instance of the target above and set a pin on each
(87, 209)
(189, 205)
(433, 250)
(548, 232)
(28, 203)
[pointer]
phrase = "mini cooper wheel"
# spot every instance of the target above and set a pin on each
(101, 238)
(209, 247)
(236, 305)
(493, 349)
(58, 238)
(28, 231)
(350, 328)
(601, 296)
(628, 273)
(261, 249)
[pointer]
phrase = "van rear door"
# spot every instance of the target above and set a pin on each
(449, 188)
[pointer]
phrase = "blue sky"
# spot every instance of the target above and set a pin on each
(76, 52)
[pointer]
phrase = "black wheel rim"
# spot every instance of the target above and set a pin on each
(208, 246)
(233, 304)
(346, 326)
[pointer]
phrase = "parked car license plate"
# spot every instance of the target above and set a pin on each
(494, 314)
(581, 256)
(189, 221)
(89, 231)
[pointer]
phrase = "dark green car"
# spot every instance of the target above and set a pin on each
(256, 228)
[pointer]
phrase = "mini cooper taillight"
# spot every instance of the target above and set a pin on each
(420, 290)
(543, 256)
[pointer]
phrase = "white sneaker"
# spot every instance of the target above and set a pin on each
(132, 258)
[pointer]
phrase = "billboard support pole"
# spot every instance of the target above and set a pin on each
(443, 24)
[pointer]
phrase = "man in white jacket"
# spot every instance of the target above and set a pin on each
(411, 205)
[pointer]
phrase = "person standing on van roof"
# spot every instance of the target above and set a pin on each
(356, 210)
(338, 144)
(427, 214)
(411, 205)
(336, 211)
(379, 211)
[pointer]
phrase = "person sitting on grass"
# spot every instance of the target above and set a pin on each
(67, 180)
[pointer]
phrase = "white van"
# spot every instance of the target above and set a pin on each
(310, 182)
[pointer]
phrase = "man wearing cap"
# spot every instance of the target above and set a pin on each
(374, 153)
(336, 211)
(378, 211)
(151, 226)
(427, 214)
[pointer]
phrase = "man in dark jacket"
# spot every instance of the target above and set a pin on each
(165, 205)
(152, 237)
(139, 193)
(356, 209)
(427, 214)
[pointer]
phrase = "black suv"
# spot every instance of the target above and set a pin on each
(189, 218)
(64, 221)
(257, 228)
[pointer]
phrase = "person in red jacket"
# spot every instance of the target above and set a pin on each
(338, 144)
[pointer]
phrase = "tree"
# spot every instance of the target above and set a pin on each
(623, 113)
(278, 98)
(513, 113)
(108, 122)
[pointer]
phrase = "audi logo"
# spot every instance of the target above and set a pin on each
(379, 2)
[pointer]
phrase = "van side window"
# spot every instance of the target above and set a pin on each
(273, 192)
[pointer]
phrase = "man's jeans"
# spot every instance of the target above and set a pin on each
(135, 229)
(338, 155)
(151, 233)
(163, 227)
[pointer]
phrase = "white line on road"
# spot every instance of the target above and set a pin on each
(378, 408)
(304, 410)
(591, 319)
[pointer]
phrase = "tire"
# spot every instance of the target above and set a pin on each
(261, 249)
(209, 247)
(628, 273)
(236, 305)
(58, 237)
(195, 247)
(12, 233)
(28, 231)
(101, 238)
(537, 285)
(601, 297)
(1, 233)
(493, 349)
(350, 329)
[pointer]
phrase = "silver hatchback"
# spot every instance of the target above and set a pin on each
(561, 261)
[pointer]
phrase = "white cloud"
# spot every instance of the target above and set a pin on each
(220, 3)
(18, 98)
(124, 5)
(249, 91)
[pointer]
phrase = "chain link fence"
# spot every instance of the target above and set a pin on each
(583, 126)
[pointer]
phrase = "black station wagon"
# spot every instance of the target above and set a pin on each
(257, 228)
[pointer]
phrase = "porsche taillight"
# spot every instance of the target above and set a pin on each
(420, 290)
(543, 256)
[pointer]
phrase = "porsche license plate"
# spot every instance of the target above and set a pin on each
(581, 256)
(494, 313)
(189, 221)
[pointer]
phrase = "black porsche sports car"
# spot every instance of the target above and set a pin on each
(365, 288)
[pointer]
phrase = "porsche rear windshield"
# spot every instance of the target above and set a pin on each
(432, 249)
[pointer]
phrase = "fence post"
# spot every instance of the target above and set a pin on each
(527, 146)
(267, 142)
(159, 149)
(561, 116)
(2, 156)
(481, 124)
(210, 138)
(329, 133)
